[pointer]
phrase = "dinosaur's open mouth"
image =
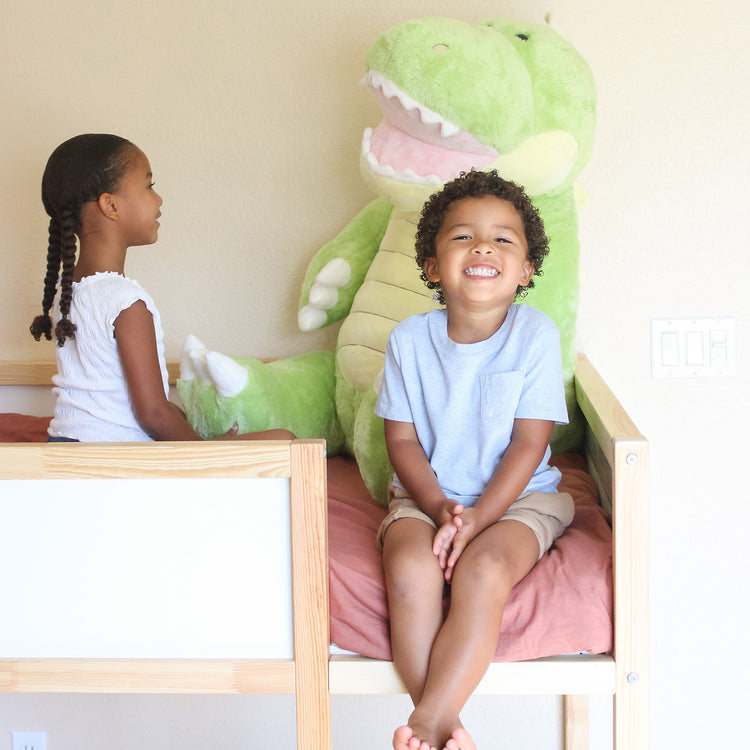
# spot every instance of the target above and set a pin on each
(414, 143)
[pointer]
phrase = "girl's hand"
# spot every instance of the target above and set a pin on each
(230, 434)
(276, 434)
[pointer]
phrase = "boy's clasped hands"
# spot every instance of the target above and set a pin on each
(457, 526)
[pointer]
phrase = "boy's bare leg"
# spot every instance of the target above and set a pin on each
(489, 567)
(415, 584)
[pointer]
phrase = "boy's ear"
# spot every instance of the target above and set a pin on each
(430, 269)
(108, 205)
(527, 272)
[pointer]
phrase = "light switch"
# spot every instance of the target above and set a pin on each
(670, 349)
(718, 354)
(694, 347)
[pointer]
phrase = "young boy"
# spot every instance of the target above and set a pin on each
(470, 397)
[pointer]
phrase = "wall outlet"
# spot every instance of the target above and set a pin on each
(29, 740)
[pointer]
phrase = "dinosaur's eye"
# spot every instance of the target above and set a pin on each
(523, 37)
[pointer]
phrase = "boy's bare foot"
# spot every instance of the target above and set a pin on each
(404, 739)
(460, 740)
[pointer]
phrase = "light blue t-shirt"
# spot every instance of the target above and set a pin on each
(463, 398)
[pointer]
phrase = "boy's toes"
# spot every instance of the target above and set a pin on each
(460, 740)
(402, 738)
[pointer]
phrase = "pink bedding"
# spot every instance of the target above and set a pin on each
(563, 606)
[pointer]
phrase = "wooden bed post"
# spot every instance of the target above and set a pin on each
(630, 523)
(309, 506)
(618, 460)
(576, 722)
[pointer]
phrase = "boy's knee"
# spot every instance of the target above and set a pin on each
(488, 569)
(410, 566)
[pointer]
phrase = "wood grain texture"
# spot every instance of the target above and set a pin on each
(218, 458)
(145, 676)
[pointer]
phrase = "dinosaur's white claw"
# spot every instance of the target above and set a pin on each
(187, 372)
(311, 318)
(228, 376)
(378, 382)
(336, 272)
(322, 296)
(197, 359)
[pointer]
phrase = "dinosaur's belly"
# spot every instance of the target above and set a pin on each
(391, 292)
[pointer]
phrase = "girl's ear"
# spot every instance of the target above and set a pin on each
(108, 205)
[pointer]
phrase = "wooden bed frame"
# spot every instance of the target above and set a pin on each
(617, 456)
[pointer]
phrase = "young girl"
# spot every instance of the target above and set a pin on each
(470, 396)
(112, 382)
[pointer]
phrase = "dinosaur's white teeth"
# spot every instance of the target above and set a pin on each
(403, 175)
(187, 369)
(390, 90)
(481, 271)
(228, 376)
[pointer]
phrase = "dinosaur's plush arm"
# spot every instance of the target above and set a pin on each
(339, 267)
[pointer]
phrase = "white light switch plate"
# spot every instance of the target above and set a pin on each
(693, 347)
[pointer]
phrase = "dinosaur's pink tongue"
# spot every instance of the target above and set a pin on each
(396, 149)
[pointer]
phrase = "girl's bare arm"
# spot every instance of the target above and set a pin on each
(136, 344)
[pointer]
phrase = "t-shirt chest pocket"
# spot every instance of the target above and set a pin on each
(500, 395)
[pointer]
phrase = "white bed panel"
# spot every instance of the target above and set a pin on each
(102, 588)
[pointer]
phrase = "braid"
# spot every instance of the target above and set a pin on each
(65, 329)
(42, 324)
(79, 171)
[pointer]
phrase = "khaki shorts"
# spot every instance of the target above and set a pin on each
(547, 514)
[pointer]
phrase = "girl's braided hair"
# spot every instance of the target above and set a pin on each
(79, 171)
(476, 185)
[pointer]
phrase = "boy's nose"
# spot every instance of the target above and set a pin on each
(483, 247)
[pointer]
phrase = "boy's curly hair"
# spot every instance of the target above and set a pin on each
(476, 185)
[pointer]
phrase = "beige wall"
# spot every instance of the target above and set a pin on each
(251, 116)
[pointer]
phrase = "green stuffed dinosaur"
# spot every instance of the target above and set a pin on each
(455, 96)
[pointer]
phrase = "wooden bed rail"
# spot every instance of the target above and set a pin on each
(40, 372)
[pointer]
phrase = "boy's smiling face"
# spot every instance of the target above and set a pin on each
(480, 253)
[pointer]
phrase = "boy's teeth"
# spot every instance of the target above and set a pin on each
(481, 271)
